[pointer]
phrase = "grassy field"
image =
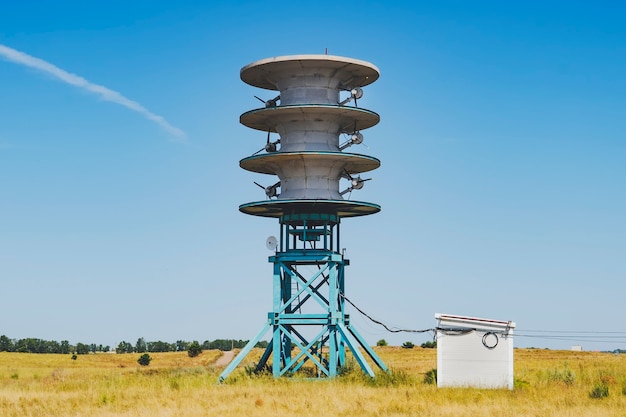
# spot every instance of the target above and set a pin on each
(548, 383)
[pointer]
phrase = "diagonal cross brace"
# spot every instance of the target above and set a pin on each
(306, 286)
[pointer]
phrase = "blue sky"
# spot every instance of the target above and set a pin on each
(502, 185)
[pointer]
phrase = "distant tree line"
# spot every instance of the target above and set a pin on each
(182, 346)
(33, 345)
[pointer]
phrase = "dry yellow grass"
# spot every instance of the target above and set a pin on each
(548, 383)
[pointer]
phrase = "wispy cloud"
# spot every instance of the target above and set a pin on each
(106, 94)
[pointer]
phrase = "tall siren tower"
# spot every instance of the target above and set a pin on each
(317, 118)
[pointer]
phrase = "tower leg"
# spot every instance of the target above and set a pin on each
(244, 352)
(367, 348)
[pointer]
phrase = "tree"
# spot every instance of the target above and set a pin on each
(6, 344)
(221, 344)
(429, 345)
(194, 349)
(124, 347)
(228, 344)
(159, 346)
(181, 346)
(82, 349)
(141, 346)
(144, 360)
(381, 342)
(64, 347)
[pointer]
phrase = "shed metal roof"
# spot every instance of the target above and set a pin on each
(465, 322)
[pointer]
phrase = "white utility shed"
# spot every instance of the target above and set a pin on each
(474, 352)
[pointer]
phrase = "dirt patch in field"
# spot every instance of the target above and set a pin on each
(225, 358)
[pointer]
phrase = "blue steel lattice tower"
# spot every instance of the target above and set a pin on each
(309, 325)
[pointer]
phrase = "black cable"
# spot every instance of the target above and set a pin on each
(443, 330)
(493, 345)
(588, 336)
(449, 331)
(383, 324)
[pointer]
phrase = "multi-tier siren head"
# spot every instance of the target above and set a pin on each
(310, 117)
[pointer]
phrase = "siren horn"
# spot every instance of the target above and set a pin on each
(270, 191)
(356, 138)
(268, 103)
(269, 146)
(355, 94)
(355, 183)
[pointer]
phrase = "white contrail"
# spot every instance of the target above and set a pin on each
(73, 79)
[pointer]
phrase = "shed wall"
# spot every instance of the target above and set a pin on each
(463, 361)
